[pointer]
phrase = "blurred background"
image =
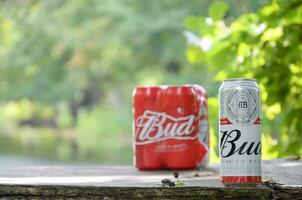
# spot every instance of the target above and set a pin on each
(68, 69)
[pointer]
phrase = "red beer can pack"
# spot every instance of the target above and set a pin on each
(170, 127)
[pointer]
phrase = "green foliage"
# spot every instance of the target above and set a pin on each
(218, 10)
(110, 140)
(72, 65)
(265, 45)
(54, 51)
(76, 63)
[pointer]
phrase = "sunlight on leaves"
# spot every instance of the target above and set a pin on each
(218, 10)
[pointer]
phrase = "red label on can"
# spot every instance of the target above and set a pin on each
(170, 127)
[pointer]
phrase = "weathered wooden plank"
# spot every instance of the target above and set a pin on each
(125, 182)
(285, 192)
(103, 176)
(52, 191)
(287, 172)
(285, 177)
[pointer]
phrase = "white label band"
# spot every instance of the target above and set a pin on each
(240, 150)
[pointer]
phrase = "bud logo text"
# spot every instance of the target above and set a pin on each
(229, 147)
(157, 126)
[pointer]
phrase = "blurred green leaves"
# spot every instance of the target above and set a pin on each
(55, 51)
(265, 45)
(218, 10)
(74, 64)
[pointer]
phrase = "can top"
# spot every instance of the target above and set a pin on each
(240, 79)
(164, 86)
(170, 89)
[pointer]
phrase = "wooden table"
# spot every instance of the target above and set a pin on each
(282, 180)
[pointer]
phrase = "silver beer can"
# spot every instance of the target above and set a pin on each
(240, 131)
